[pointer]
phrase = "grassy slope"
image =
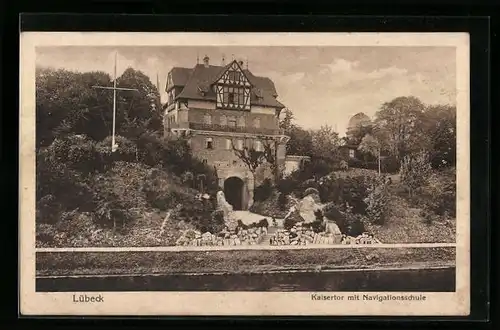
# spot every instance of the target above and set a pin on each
(404, 223)
(81, 263)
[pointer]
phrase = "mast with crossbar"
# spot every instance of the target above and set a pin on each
(114, 146)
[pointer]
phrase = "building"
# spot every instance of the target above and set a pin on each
(294, 163)
(219, 108)
(358, 122)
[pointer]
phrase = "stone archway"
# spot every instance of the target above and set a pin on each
(234, 191)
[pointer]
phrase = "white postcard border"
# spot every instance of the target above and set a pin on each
(235, 303)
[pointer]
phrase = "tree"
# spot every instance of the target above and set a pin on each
(66, 104)
(400, 121)
(144, 107)
(441, 128)
(415, 171)
(253, 158)
(371, 146)
(286, 123)
(300, 142)
(326, 143)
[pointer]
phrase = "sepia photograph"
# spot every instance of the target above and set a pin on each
(244, 174)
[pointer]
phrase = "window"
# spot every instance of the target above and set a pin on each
(223, 120)
(228, 144)
(208, 119)
(258, 146)
(204, 161)
(239, 144)
(209, 143)
(351, 153)
(256, 122)
(233, 97)
(231, 122)
(241, 121)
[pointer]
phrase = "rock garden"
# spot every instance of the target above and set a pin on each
(248, 236)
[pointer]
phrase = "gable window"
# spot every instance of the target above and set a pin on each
(233, 89)
(209, 143)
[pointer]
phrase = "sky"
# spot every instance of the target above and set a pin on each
(321, 85)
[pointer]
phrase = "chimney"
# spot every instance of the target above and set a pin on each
(206, 61)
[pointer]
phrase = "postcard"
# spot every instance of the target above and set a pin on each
(256, 174)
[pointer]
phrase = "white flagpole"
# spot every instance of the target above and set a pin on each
(113, 144)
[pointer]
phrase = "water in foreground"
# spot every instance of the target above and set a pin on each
(408, 280)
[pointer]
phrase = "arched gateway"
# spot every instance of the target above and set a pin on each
(234, 191)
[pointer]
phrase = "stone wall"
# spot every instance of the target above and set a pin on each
(250, 236)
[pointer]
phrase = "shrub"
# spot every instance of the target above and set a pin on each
(126, 151)
(292, 220)
(78, 152)
(263, 223)
(377, 201)
(63, 187)
(348, 223)
(282, 201)
(439, 194)
(332, 212)
(45, 234)
(48, 210)
(351, 190)
(288, 184)
(415, 171)
(264, 191)
(344, 166)
(214, 223)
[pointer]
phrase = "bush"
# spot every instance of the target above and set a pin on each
(377, 201)
(340, 191)
(78, 152)
(348, 223)
(48, 210)
(213, 223)
(63, 188)
(415, 171)
(292, 220)
(344, 166)
(439, 194)
(264, 191)
(126, 151)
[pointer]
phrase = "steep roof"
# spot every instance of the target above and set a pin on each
(180, 76)
(200, 77)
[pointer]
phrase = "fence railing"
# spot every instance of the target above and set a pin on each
(235, 129)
